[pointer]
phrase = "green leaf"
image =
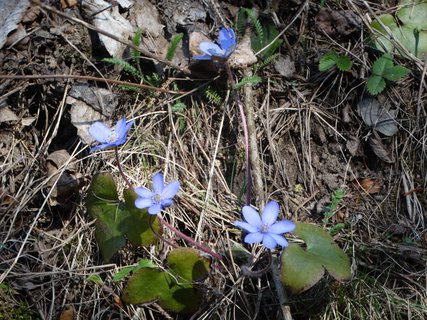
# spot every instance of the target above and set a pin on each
(375, 85)
(128, 269)
(173, 45)
(187, 264)
(136, 40)
(328, 61)
(138, 224)
(247, 80)
(410, 32)
(96, 279)
(102, 204)
(172, 288)
(260, 40)
(301, 269)
(382, 64)
(126, 66)
(344, 63)
(396, 73)
(116, 220)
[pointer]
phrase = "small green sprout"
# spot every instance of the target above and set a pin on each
(332, 59)
(384, 69)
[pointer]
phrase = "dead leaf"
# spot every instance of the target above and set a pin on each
(146, 17)
(68, 3)
(82, 116)
(370, 185)
(243, 56)
(11, 14)
(352, 145)
(195, 39)
(183, 13)
(110, 20)
(380, 149)
(27, 121)
(337, 22)
(285, 66)
(377, 116)
(68, 181)
(18, 36)
(7, 115)
(100, 99)
(67, 313)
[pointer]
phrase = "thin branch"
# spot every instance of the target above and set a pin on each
(89, 78)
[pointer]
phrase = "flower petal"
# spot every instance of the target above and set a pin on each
(268, 241)
(158, 183)
(252, 217)
(170, 190)
(155, 209)
(245, 226)
(144, 192)
(122, 127)
(202, 57)
(100, 132)
(166, 203)
(279, 239)
(270, 213)
(101, 146)
(142, 203)
(227, 39)
(254, 237)
(211, 48)
(282, 226)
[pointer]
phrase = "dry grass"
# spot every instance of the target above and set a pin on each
(48, 252)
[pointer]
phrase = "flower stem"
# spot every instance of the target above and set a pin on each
(245, 133)
(190, 240)
(164, 222)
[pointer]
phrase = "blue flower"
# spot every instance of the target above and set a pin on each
(227, 41)
(159, 198)
(107, 137)
(265, 229)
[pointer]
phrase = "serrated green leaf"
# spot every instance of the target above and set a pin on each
(375, 85)
(302, 269)
(396, 73)
(382, 64)
(172, 289)
(328, 61)
(95, 278)
(344, 63)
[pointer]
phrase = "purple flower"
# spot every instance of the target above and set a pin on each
(108, 137)
(159, 198)
(265, 229)
(227, 41)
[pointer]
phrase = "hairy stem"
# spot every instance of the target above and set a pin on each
(245, 132)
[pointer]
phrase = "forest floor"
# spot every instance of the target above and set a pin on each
(312, 139)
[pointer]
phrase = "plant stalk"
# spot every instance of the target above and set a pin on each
(245, 133)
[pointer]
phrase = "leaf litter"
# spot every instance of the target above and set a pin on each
(308, 151)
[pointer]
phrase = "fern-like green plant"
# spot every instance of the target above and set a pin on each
(212, 96)
(247, 80)
(136, 41)
(173, 45)
(126, 66)
(257, 24)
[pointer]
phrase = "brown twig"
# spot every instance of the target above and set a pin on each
(89, 78)
(245, 132)
(112, 36)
